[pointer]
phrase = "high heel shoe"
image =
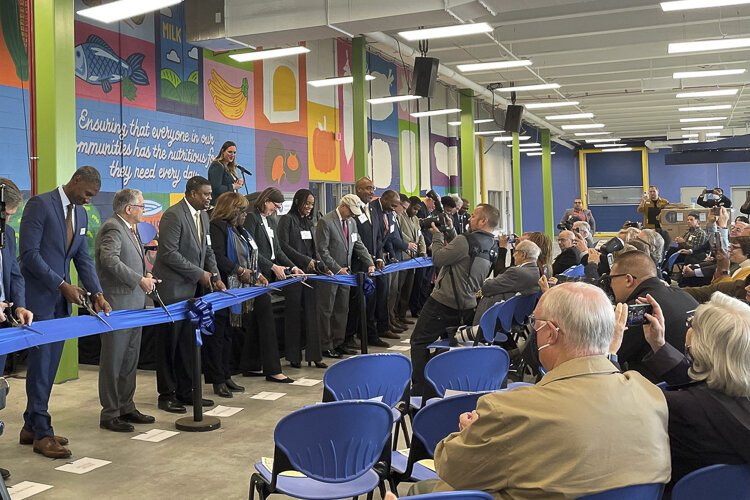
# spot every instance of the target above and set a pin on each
(318, 364)
(295, 365)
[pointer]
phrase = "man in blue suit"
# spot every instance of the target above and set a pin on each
(13, 291)
(52, 233)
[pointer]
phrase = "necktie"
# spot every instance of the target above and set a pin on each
(345, 226)
(198, 225)
(69, 226)
(138, 243)
(386, 226)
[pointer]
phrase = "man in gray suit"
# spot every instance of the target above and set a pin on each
(121, 267)
(186, 268)
(522, 278)
(336, 239)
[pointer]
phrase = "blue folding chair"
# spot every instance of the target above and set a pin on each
(635, 492)
(500, 311)
(370, 376)
(146, 232)
(574, 271)
(430, 426)
(482, 368)
(670, 262)
(454, 495)
(727, 482)
(334, 445)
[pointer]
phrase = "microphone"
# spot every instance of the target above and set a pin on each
(243, 169)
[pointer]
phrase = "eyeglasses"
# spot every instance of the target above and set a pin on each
(689, 318)
(139, 206)
(623, 274)
(544, 322)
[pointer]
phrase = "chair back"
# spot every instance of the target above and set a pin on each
(368, 376)
(635, 492)
(333, 442)
(454, 495)
(728, 482)
(526, 305)
(437, 420)
(146, 232)
(669, 264)
(574, 271)
(482, 368)
(500, 311)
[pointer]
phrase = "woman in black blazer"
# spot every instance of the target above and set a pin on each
(296, 237)
(222, 173)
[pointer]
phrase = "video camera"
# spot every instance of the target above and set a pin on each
(567, 224)
(439, 219)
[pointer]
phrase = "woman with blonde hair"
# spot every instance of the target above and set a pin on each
(222, 173)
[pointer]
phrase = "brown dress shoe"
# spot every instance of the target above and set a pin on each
(27, 437)
(405, 321)
(389, 335)
(397, 329)
(50, 448)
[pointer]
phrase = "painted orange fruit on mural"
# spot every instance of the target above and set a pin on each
(277, 169)
(292, 162)
(324, 148)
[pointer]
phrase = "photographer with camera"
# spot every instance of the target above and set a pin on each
(465, 263)
(651, 206)
(714, 198)
(577, 213)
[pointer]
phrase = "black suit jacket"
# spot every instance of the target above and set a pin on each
(567, 258)
(300, 251)
(371, 234)
(254, 224)
(395, 244)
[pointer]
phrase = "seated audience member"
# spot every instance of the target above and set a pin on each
(709, 401)
(742, 218)
(569, 254)
(655, 243)
(521, 278)
(545, 256)
(634, 275)
(691, 243)
(583, 228)
(739, 254)
(733, 288)
(713, 198)
(584, 428)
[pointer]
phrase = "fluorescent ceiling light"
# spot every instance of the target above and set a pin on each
(706, 45)
(686, 136)
(699, 4)
(703, 74)
(713, 134)
(707, 93)
(610, 145)
(526, 145)
(540, 86)
(476, 122)
(488, 66)
(259, 55)
(526, 150)
(538, 154)
(616, 150)
(508, 138)
(556, 104)
(708, 119)
(340, 80)
(714, 107)
(706, 127)
(436, 112)
(574, 116)
(608, 139)
(489, 132)
(582, 126)
(587, 134)
(446, 31)
(123, 9)
(393, 98)
(691, 141)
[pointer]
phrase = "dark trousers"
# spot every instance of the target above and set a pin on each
(421, 289)
(381, 303)
(174, 361)
(352, 321)
(300, 319)
(433, 320)
(216, 352)
(42, 362)
(402, 302)
(260, 350)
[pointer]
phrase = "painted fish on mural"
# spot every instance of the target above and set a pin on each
(97, 64)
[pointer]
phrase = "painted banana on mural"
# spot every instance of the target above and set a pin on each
(231, 101)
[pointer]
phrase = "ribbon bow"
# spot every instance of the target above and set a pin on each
(201, 314)
(369, 287)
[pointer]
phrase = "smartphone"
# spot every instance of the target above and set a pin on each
(637, 314)
(716, 243)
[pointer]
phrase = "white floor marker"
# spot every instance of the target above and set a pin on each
(25, 489)
(83, 465)
(223, 411)
(306, 382)
(155, 435)
(268, 396)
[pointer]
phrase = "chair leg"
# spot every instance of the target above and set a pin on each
(395, 438)
(381, 488)
(406, 432)
(251, 494)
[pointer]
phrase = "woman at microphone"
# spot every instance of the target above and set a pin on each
(222, 173)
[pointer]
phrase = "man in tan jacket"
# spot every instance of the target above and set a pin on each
(584, 428)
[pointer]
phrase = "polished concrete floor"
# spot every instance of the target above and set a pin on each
(211, 465)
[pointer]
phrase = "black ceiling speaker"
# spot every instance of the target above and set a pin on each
(498, 115)
(425, 75)
(513, 118)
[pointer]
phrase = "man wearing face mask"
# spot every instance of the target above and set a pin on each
(527, 451)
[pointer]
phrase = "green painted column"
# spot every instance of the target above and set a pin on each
(359, 105)
(516, 167)
(56, 115)
(468, 187)
(549, 215)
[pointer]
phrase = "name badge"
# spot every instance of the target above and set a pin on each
(393, 227)
(253, 244)
(354, 237)
(363, 218)
(306, 235)
(83, 231)
(208, 239)
(270, 232)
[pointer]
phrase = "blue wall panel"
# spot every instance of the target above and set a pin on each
(614, 169)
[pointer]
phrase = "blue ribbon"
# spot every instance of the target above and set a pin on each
(201, 315)
(56, 330)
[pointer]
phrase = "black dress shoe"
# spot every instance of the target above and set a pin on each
(5, 473)
(253, 374)
(318, 364)
(295, 365)
(331, 353)
(171, 406)
(136, 417)
(344, 350)
(116, 425)
(222, 391)
(204, 402)
(285, 380)
(378, 343)
(233, 386)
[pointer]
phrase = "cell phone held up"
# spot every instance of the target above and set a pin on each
(637, 314)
